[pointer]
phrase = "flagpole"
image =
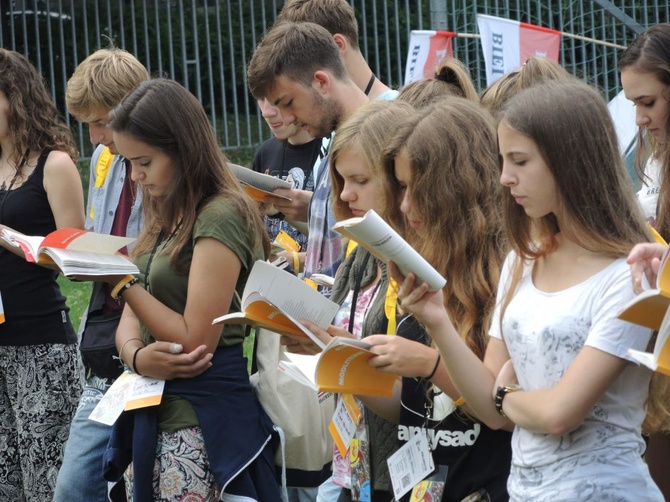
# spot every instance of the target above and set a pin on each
(563, 33)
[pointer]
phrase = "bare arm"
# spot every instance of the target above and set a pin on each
(64, 190)
(157, 360)
(213, 275)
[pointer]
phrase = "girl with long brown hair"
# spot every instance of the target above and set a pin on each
(556, 366)
(40, 191)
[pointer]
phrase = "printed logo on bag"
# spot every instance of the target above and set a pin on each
(441, 438)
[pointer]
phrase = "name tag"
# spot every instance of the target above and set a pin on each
(410, 465)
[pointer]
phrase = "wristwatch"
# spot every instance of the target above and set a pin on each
(501, 392)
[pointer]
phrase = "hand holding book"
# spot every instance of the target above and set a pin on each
(377, 236)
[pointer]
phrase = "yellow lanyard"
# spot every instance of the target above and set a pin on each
(657, 237)
(391, 306)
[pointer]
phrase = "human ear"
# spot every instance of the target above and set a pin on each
(321, 81)
(341, 42)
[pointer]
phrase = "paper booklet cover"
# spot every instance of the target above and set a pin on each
(341, 367)
(377, 236)
(258, 185)
(277, 300)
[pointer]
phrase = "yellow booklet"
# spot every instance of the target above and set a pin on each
(659, 360)
(649, 307)
(342, 367)
(277, 300)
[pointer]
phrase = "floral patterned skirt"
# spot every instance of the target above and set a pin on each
(181, 471)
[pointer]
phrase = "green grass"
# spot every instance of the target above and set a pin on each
(77, 295)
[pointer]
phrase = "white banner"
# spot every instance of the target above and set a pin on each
(427, 49)
(507, 44)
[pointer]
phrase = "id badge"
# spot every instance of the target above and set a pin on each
(431, 488)
(343, 425)
(410, 465)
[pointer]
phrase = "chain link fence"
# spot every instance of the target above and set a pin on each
(205, 44)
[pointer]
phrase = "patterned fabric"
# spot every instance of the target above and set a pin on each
(39, 389)
(325, 250)
(181, 471)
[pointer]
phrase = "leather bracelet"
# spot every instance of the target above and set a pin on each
(134, 366)
(127, 286)
(122, 284)
(501, 392)
(437, 364)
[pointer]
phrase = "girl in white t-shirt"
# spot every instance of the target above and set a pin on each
(645, 77)
(556, 366)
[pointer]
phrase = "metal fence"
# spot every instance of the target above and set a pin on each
(205, 44)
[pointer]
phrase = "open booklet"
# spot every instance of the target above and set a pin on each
(277, 300)
(258, 185)
(659, 360)
(649, 307)
(75, 252)
(341, 367)
(377, 236)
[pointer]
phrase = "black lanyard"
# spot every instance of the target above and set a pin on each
(159, 239)
(370, 84)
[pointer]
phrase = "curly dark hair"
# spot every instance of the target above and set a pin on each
(35, 124)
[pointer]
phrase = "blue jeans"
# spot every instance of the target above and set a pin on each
(296, 494)
(328, 491)
(80, 477)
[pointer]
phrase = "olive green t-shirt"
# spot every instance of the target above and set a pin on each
(220, 220)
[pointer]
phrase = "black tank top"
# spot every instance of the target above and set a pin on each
(35, 309)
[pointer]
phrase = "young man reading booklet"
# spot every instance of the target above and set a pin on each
(114, 205)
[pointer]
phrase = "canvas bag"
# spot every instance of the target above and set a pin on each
(299, 411)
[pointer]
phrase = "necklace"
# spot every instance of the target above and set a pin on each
(14, 179)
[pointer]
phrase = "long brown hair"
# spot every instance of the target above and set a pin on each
(165, 116)
(570, 124)
(35, 124)
(453, 155)
(650, 53)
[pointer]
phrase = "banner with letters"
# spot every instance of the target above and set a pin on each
(507, 44)
(427, 48)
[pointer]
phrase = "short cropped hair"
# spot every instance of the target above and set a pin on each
(296, 51)
(101, 81)
(337, 16)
